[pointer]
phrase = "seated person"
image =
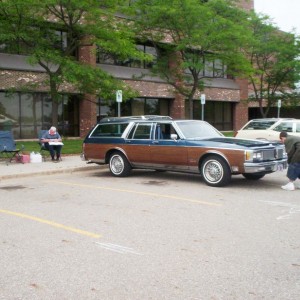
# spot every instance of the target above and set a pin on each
(49, 137)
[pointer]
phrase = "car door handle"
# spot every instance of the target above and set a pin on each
(128, 142)
(154, 142)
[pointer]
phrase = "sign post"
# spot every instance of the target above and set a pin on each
(119, 100)
(278, 105)
(202, 98)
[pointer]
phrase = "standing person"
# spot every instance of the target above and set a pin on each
(53, 142)
(292, 147)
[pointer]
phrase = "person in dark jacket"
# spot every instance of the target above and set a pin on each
(292, 147)
(53, 143)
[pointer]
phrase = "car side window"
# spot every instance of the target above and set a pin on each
(298, 127)
(140, 131)
(284, 126)
(164, 131)
(109, 130)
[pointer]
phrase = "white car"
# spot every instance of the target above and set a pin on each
(268, 128)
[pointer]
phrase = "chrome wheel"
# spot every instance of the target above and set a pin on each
(119, 165)
(215, 171)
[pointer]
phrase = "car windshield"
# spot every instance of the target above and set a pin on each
(197, 129)
(260, 124)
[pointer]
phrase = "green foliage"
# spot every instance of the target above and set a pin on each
(51, 31)
(192, 32)
(274, 56)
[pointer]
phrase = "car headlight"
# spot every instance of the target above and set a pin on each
(250, 155)
(257, 156)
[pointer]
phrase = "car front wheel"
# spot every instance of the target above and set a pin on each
(119, 165)
(215, 171)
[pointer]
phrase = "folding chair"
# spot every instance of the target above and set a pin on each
(8, 149)
(44, 152)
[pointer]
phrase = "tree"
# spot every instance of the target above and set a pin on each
(50, 32)
(197, 35)
(274, 56)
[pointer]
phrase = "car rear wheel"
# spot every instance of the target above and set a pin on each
(253, 176)
(119, 165)
(215, 171)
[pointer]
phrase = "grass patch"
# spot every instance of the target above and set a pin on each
(71, 146)
(228, 133)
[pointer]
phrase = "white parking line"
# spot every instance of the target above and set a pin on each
(291, 209)
(117, 248)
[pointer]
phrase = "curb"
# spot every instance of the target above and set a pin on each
(49, 172)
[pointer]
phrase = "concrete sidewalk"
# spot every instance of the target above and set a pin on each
(68, 164)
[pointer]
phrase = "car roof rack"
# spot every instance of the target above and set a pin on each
(270, 119)
(128, 118)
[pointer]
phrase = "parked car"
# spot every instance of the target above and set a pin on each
(268, 128)
(192, 146)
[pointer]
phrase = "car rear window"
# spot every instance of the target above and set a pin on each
(109, 130)
(259, 125)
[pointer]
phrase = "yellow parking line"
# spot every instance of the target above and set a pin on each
(79, 231)
(136, 192)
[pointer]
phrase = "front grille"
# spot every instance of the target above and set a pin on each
(269, 154)
(273, 154)
(279, 152)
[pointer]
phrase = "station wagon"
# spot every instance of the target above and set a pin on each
(192, 146)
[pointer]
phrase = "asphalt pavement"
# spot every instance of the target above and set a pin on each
(68, 164)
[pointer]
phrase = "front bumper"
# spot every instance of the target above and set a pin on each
(265, 167)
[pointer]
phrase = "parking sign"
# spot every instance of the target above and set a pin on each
(202, 98)
(119, 95)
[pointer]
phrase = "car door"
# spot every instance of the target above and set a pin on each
(137, 144)
(167, 150)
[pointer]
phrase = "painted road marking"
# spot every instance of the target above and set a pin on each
(291, 209)
(79, 231)
(136, 192)
(117, 248)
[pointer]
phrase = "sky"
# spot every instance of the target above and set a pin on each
(284, 13)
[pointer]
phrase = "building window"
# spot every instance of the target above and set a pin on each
(20, 47)
(104, 57)
(214, 68)
(25, 114)
(134, 107)
(217, 113)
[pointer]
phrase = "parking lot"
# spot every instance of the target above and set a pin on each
(153, 235)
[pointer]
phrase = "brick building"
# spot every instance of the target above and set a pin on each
(25, 112)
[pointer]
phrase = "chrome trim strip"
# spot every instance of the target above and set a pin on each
(97, 161)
